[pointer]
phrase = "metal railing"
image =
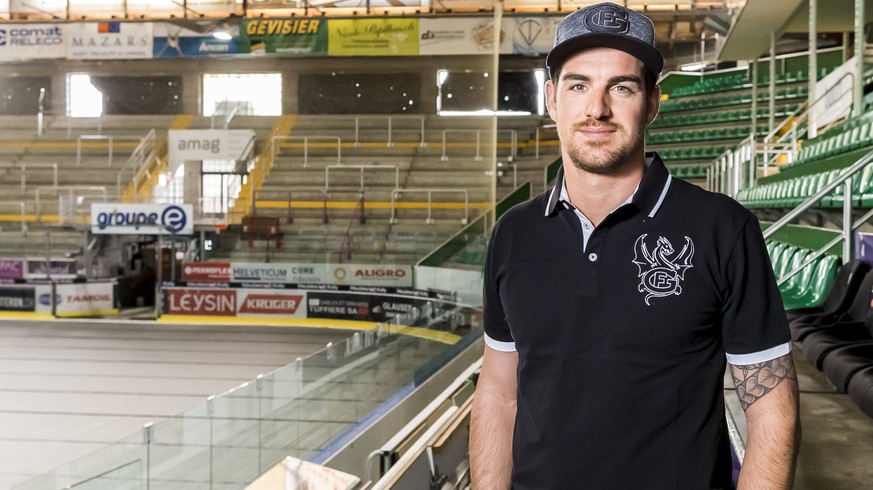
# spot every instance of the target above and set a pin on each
(537, 141)
(276, 142)
(735, 169)
(23, 167)
(289, 198)
(430, 192)
(370, 168)
(98, 137)
(138, 163)
(358, 218)
(513, 142)
(844, 179)
(23, 210)
(75, 194)
(771, 143)
(391, 130)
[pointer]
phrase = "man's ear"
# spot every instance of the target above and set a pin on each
(654, 104)
(551, 106)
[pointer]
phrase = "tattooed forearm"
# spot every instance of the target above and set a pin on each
(753, 381)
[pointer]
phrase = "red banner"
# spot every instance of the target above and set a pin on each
(206, 272)
(271, 304)
(217, 302)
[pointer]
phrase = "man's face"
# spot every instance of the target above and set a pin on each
(601, 109)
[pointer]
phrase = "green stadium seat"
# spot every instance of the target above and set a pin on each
(794, 284)
(819, 285)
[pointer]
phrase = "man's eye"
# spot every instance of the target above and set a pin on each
(621, 89)
(577, 86)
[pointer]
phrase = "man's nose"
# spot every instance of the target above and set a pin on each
(598, 105)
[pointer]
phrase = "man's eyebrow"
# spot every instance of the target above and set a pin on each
(576, 76)
(626, 78)
(612, 81)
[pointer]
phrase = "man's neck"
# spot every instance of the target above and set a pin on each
(598, 195)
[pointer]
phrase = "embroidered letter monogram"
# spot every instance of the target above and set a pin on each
(661, 270)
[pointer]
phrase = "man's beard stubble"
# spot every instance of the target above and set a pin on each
(615, 161)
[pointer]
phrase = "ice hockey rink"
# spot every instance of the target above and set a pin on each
(68, 388)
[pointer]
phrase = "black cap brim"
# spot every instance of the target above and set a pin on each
(646, 53)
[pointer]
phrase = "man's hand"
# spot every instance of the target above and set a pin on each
(769, 396)
(492, 421)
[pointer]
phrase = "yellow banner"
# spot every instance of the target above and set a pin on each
(372, 37)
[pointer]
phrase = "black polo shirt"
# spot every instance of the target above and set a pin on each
(622, 343)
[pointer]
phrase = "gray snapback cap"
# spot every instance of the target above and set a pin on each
(606, 25)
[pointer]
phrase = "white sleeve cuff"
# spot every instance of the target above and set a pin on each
(498, 345)
(757, 357)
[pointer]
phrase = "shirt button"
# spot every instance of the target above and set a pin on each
(592, 257)
(585, 225)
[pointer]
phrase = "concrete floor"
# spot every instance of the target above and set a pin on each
(70, 388)
(837, 446)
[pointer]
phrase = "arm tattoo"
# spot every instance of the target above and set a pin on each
(753, 381)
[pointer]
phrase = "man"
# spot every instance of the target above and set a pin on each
(613, 301)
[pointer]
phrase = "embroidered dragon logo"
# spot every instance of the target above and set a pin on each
(661, 270)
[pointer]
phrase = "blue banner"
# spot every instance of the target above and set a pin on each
(191, 46)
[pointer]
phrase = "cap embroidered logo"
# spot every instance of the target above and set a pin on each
(607, 19)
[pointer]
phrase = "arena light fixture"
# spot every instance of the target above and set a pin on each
(698, 66)
(540, 76)
(222, 35)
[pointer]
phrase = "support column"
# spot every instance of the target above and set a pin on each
(191, 186)
(754, 126)
(858, 89)
(847, 36)
(771, 106)
(813, 63)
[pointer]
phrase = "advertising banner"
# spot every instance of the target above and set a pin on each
(271, 302)
(142, 219)
(833, 95)
(191, 301)
(17, 298)
(207, 144)
(458, 36)
(295, 303)
(363, 307)
(176, 41)
(531, 35)
(340, 306)
(109, 40)
(373, 37)
(294, 37)
(371, 275)
(11, 269)
(32, 41)
(84, 299)
(277, 273)
(36, 268)
(214, 272)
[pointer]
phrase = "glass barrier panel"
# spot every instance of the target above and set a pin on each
(121, 465)
(279, 412)
(235, 432)
(179, 451)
